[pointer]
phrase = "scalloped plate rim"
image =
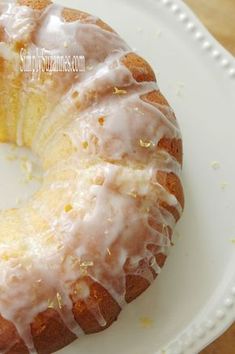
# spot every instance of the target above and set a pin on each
(224, 54)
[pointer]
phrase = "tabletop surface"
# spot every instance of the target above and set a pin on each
(219, 17)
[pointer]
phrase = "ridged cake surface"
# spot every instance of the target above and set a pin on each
(97, 232)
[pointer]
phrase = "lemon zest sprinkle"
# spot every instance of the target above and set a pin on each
(68, 208)
(118, 91)
(85, 144)
(146, 322)
(59, 299)
(146, 144)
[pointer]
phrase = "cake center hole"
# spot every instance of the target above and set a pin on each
(20, 175)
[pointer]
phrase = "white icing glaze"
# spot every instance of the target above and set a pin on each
(92, 216)
(18, 22)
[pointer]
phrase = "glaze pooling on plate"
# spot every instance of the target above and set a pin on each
(93, 216)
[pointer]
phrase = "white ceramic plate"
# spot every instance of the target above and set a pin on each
(193, 300)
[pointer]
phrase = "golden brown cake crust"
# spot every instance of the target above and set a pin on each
(48, 331)
(35, 4)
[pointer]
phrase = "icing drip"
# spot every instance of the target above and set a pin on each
(98, 140)
(18, 21)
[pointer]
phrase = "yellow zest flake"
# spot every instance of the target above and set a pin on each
(133, 194)
(86, 264)
(50, 304)
(59, 300)
(215, 165)
(224, 185)
(73, 261)
(50, 239)
(146, 322)
(11, 254)
(101, 120)
(85, 144)
(146, 144)
(118, 91)
(99, 180)
(68, 208)
(5, 257)
(109, 252)
(84, 271)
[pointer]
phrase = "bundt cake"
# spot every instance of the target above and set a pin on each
(97, 232)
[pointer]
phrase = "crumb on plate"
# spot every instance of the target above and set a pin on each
(224, 185)
(146, 322)
(215, 165)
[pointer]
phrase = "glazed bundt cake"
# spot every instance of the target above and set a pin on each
(97, 232)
